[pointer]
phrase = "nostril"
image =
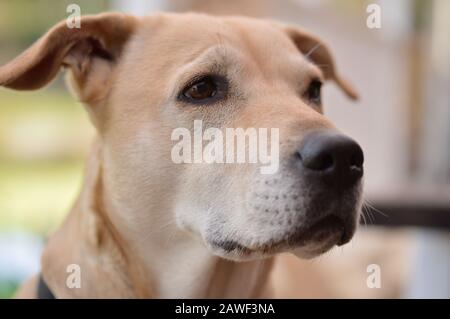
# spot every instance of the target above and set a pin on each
(355, 162)
(357, 158)
(321, 162)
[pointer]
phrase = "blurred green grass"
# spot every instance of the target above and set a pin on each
(37, 196)
(7, 289)
(44, 136)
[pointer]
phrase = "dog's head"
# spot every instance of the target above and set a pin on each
(142, 79)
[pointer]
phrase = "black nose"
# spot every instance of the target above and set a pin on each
(334, 155)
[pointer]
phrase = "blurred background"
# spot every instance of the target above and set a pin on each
(402, 121)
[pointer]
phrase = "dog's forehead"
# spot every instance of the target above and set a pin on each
(190, 34)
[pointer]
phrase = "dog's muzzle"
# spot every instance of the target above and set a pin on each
(334, 162)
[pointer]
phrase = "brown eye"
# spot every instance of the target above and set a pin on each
(203, 89)
(313, 93)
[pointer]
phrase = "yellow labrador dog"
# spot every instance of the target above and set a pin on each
(144, 226)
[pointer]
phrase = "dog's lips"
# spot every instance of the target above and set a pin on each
(323, 234)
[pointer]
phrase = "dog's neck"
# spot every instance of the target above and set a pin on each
(119, 261)
(189, 270)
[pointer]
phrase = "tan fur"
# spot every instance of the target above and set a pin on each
(121, 229)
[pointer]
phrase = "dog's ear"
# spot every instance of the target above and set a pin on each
(90, 52)
(319, 53)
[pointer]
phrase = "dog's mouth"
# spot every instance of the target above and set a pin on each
(322, 235)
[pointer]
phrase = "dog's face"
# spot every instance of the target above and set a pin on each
(143, 79)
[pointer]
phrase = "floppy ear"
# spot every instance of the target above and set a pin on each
(90, 52)
(319, 53)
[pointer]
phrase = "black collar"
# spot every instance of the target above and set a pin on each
(43, 292)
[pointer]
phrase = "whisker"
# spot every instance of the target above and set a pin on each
(375, 209)
(364, 216)
(368, 214)
(312, 50)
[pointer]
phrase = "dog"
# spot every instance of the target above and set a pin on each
(146, 227)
